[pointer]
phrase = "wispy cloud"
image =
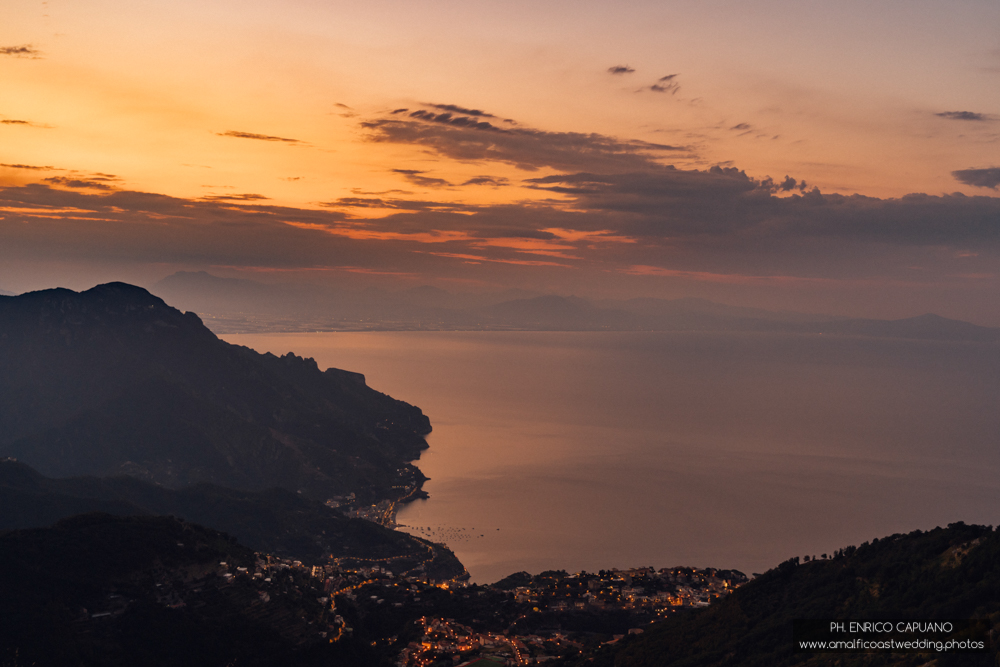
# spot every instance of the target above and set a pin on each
(235, 197)
(980, 178)
(666, 84)
(446, 118)
(501, 260)
(523, 147)
(23, 51)
(27, 166)
(23, 123)
(417, 177)
(495, 181)
(97, 181)
(259, 137)
(394, 203)
(965, 115)
(620, 69)
(454, 108)
(348, 112)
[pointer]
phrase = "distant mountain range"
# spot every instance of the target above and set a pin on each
(114, 381)
(245, 306)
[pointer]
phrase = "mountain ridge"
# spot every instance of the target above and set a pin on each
(273, 520)
(941, 574)
(113, 380)
(244, 306)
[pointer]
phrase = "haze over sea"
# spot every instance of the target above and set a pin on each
(596, 450)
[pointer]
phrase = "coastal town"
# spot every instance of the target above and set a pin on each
(420, 621)
(545, 627)
(519, 620)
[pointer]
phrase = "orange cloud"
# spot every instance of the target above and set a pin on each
(431, 236)
(601, 235)
(47, 211)
(480, 258)
(527, 245)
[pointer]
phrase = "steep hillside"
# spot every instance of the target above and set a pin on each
(944, 574)
(114, 381)
(113, 592)
(275, 520)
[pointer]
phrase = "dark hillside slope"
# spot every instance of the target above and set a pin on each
(113, 380)
(951, 573)
(275, 521)
(107, 591)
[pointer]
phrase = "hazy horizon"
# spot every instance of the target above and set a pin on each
(240, 305)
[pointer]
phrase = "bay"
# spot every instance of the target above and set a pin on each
(593, 450)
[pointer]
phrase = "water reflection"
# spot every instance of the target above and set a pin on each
(596, 450)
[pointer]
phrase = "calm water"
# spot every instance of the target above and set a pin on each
(596, 450)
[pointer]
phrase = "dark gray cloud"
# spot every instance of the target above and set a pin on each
(790, 184)
(394, 203)
(741, 127)
(258, 137)
(446, 118)
(235, 197)
(138, 227)
(461, 110)
(715, 222)
(520, 146)
(488, 180)
(728, 206)
(620, 69)
(980, 178)
(612, 205)
(24, 123)
(670, 88)
(78, 183)
(666, 84)
(417, 177)
(27, 166)
(96, 181)
(964, 115)
(23, 51)
(399, 111)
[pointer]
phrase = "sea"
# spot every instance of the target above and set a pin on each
(597, 450)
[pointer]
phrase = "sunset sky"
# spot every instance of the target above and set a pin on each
(837, 156)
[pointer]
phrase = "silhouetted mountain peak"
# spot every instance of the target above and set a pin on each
(118, 314)
(113, 380)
